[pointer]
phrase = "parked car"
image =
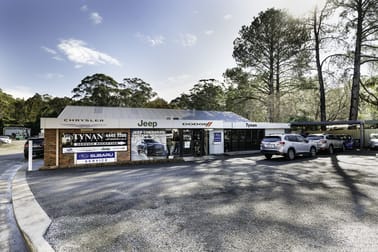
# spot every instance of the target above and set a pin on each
(348, 141)
(151, 147)
(373, 141)
(287, 145)
(5, 139)
(37, 149)
(327, 142)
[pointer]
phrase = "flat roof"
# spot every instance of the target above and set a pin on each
(325, 123)
(147, 113)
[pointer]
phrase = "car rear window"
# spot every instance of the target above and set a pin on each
(272, 139)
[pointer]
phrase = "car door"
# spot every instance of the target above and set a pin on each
(302, 144)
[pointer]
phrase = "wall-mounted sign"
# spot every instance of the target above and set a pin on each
(99, 141)
(147, 124)
(95, 157)
(198, 124)
(217, 137)
(148, 144)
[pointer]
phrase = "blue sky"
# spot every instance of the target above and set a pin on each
(49, 46)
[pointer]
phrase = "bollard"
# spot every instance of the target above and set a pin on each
(30, 156)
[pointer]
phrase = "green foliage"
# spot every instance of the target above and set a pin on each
(97, 89)
(369, 96)
(360, 19)
(102, 90)
(272, 51)
(205, 95)
(134, 93)
(6, 103)
(20, 112)
(158, 103)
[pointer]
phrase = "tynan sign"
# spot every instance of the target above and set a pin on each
(100, 141)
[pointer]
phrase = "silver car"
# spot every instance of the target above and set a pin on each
(287, 145)
(327, 142)
(373, 141)
(5, 139)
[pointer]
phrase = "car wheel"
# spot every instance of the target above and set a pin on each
(291, 154)
(331, 151)
(268, 156)
(313, 152)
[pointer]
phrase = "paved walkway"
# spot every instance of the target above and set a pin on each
(10, 237)
(34, 222)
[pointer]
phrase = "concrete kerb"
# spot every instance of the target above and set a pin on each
(30, 217)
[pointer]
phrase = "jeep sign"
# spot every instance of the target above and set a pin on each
(150, 124)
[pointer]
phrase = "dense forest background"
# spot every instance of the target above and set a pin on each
(317, 68)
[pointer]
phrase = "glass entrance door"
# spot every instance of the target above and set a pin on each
(193, 142)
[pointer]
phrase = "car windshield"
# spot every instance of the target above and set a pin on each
(314, 137)
(374, 136)
(271, 139)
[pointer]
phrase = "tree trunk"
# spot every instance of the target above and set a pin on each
(355, 93)
(323, 114)
(277, 94)
(271, 96)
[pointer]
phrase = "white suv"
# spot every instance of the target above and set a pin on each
(327, 142)
(288, 145)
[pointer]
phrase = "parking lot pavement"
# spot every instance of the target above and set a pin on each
(329, 203)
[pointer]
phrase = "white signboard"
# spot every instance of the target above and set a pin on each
(61, 123)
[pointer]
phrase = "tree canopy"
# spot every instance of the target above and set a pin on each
(272, 50)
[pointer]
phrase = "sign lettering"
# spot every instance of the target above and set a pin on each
(150, 124)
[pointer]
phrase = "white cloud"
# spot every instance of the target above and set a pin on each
(179, 78)
(209, 32)
(49, 50)
(152, 41)
(84, 8)
(182, 83)
(20, 92)
(227, 17)
(51, 76)
(52, 52)
(188, 40)
(95, 18)
(78, 52)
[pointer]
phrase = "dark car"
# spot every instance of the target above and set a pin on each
(349, 142)
(38, 147)
(151, 147)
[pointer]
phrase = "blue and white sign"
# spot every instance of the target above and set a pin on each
(95, 157)
(217, 137)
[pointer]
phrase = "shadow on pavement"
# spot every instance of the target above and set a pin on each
(350, 183)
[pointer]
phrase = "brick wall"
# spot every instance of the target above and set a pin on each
(68, 159)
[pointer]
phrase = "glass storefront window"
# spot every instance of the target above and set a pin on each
(243, 139)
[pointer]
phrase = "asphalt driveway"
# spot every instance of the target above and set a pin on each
(233, 204)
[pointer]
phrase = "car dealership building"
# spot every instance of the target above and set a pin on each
(85, 135)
